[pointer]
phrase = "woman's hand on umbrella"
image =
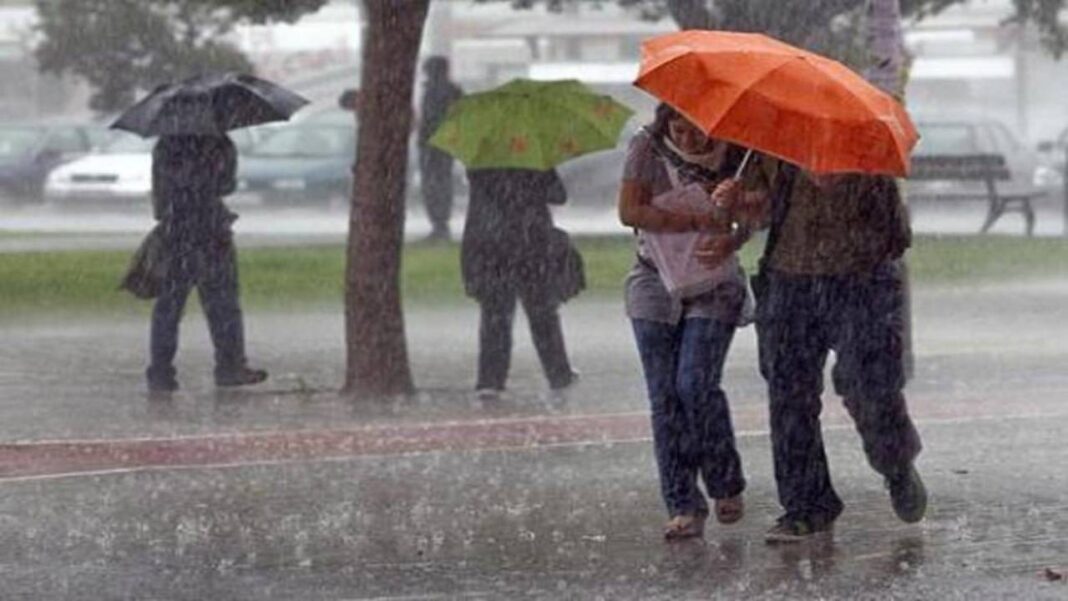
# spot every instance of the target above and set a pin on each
(714, 251)
(726, 194)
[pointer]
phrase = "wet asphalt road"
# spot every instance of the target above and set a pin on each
(539, 519)
(565, 522)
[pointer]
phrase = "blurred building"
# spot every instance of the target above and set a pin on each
(319, 56)
(967, 62)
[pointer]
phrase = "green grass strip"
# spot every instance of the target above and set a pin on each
(285, 278)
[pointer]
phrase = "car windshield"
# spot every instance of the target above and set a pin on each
(124, 143)
(946, 138)
(306, 141)
(18, 141)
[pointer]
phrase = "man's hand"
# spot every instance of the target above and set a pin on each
(753, 209)
(714, 251)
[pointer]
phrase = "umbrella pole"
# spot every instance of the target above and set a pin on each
(745, 162)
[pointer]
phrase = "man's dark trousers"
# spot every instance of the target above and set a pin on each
(859, 317)
(212, 269)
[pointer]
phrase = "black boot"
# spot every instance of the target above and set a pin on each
(241, 376)
(908, 494)
(161, 379)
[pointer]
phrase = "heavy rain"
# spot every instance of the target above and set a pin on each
(533, 299)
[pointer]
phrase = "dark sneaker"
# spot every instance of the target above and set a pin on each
(908, 495)
(241, 377)
(794, 530)
(488, 395)
(569, 381)
(161, 379)
(162, 385)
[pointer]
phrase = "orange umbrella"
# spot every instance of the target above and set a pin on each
(764, 94)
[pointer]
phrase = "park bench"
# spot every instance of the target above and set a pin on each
(988, 169)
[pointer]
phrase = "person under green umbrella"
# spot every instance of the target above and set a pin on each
(510, 139)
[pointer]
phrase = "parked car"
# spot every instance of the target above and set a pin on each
(29, 152)
(1052, 154)
(119, 171)
(414, 190)
(955, 136)
(299, 163)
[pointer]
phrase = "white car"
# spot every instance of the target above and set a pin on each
(119, 171)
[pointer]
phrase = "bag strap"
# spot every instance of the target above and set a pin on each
(780, 207)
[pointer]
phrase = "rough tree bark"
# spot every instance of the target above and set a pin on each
(692, 14)
(377, 353)
(886, 46)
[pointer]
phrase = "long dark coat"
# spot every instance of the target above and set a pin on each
(509, 244)
(190, 175)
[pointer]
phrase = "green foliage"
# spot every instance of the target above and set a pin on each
(1046, 15)
(123, 46)
(821, 25)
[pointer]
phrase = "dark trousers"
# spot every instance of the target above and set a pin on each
(435, 172)
(692, 430)
(859, 317)
(212, 270)
(495, 338)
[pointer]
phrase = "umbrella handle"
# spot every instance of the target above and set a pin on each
(745, 162)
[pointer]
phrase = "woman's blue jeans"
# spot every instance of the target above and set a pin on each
(692, 430)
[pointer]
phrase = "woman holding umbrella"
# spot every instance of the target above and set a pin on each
(194, 165)
(511, 139)
(831, 275)
(683, 341)
(511, 251)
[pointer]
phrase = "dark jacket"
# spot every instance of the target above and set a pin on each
(190, 175)
(439, 95)
(509, 242)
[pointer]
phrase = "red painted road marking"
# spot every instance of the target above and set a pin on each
(69, 457)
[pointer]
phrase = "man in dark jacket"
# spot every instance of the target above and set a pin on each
(511, 251)
(833, 282)
(190, 175)
(435, 166)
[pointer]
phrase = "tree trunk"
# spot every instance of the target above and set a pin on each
(886, 46)
(692, 14)
(377, 354)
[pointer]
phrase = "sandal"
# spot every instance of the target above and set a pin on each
(685, 526)
(730, 510)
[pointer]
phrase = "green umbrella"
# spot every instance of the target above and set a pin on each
(527, 124)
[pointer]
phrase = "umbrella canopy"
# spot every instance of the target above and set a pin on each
(528, 124)
(209, 105)
(784, 101)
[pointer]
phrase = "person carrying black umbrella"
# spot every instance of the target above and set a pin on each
(194, 165)
(190, 175)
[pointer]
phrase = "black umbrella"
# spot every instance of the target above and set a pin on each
(209, 105)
